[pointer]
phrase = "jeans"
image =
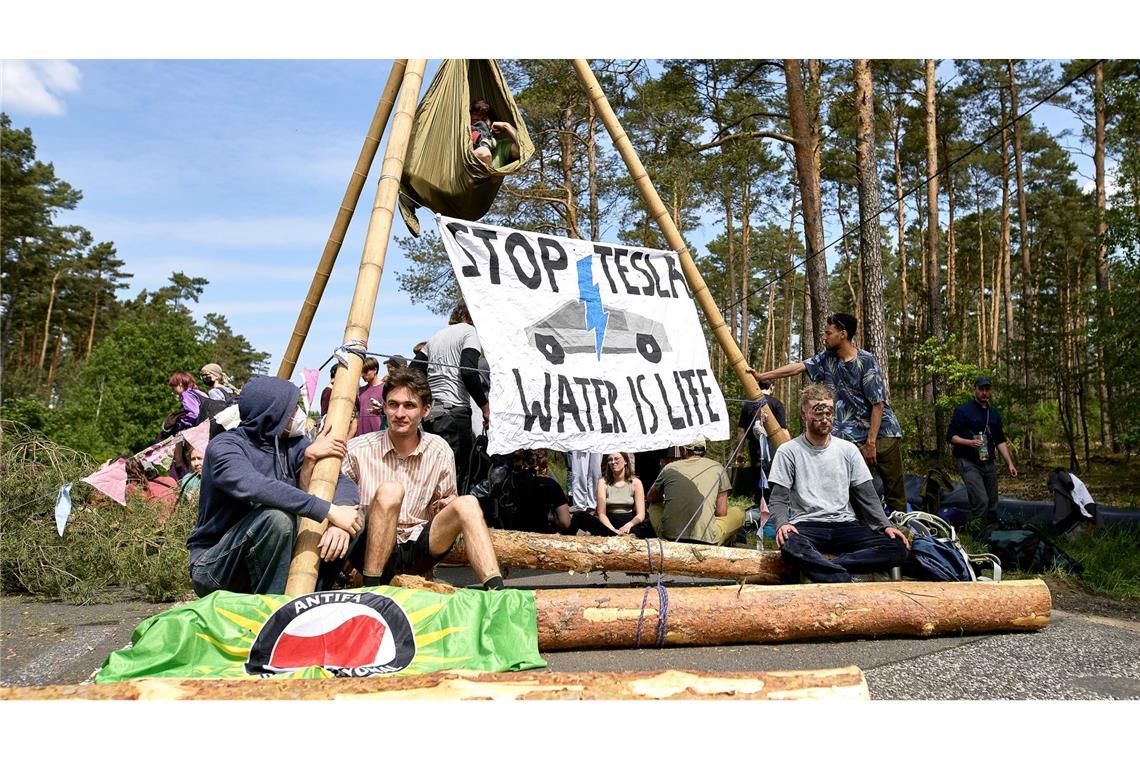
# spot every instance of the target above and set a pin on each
(888, 454)
(857, 549)
(252, 557)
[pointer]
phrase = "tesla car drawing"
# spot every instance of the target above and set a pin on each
(565, 331)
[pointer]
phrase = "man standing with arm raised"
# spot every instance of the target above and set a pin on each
(863, 415)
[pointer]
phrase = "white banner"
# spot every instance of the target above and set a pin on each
(592, 346)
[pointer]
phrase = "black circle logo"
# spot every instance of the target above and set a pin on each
(346, 633)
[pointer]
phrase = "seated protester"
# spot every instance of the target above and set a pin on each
(495, 143)
(407, 483)
(191, 482)
(186, 465)
(535, 501)
(253, 489)
(814, 479)
(689, 500)
(186, 390)
(621, 497)
(159, 491)
(221, 389)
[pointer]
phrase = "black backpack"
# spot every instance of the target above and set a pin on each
(1026, 549)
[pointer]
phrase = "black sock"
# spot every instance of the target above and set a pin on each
(372, 580)
(494, 583)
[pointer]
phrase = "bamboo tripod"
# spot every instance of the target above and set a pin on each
(303, 570)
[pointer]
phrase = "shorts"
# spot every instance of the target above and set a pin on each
(413, 557)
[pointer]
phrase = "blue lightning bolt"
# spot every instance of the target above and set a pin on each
(591, 295)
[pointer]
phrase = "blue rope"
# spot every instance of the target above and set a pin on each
(662, 597)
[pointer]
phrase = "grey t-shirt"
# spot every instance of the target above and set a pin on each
(446, 347)
(820, 478)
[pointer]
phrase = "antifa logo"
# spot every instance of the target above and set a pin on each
(347, 634)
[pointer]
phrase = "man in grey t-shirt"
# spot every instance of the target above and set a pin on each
(450, 359)
(815, 478)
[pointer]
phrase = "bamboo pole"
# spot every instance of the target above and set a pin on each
(831, 684)
(657, 210)
(303, 570)
(584, 554)
(343, 218)
(576, 618)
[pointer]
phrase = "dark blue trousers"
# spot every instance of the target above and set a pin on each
(857, 549)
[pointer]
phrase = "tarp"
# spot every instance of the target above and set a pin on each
(375, 631)
(592, 346)
(440, 169)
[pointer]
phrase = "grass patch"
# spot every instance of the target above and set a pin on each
(1111, 559)
(105, 544)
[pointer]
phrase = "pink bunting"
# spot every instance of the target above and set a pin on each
(312, 376)
(111, 480)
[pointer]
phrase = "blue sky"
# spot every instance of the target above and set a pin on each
(233, 170)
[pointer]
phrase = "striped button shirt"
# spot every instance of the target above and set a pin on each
(427, 474)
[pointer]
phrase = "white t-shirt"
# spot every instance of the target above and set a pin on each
(446, 347)
(820, 478)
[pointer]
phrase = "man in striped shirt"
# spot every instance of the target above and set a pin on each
(407, 485)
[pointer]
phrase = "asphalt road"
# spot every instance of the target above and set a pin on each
(1074, 657)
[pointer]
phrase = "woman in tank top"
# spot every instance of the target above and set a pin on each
(621, 497)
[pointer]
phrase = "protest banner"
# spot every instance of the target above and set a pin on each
(592, 346)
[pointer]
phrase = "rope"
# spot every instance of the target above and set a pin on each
(919, 186)
(662, 596)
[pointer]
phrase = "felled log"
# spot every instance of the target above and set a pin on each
(578, 618)
(584, 554)
(838, 684)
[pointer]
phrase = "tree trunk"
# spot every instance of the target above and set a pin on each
(730, 233)
(1028, 308)
(576, 618)
(933, 234)
(585, 554)
(55, 354)
(1006, 246)
(94, 317)
(953, 312)
(592, 167)
(47, 320)
(1104, 308)
(983, 313)
(870, 235)
(846, 684)
(806, 147)
(901, 222)
(566, 160)
(746, 270)
(856, 304)
(789, 281)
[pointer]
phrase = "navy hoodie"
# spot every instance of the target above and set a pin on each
(253, 466)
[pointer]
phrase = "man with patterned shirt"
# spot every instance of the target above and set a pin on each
(407, 483)
(863, 415)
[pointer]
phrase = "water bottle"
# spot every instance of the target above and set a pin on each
(984, 449)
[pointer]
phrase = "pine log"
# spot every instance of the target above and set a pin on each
(833, 684)
(584, 554)
(579, 618)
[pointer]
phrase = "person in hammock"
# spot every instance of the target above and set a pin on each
(495, 143)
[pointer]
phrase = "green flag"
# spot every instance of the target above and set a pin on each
(362, 632)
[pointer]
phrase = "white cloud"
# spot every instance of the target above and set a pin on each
(34, 88)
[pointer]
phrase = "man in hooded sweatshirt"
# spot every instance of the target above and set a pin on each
(253, 489)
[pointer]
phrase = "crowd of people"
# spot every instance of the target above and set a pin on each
(415, 476)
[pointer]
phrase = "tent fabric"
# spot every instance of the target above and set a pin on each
(440, 170)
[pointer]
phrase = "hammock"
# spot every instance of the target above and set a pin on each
(440, 170)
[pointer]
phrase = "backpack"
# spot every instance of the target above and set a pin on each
(936, 553)
(1026, 549)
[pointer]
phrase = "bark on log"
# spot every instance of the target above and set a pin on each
(837, 683)
(584, 554)
(608, 617)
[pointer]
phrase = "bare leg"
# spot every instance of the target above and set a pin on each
(383, 513)
(463, 515)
